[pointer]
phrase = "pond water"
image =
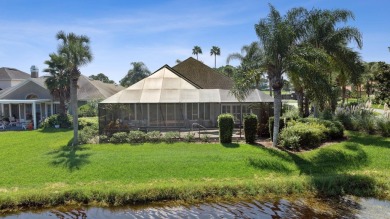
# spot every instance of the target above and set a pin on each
(347, 207)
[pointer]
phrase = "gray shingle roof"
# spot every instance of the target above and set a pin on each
(12, 73)
(202, 75)
(88, 89)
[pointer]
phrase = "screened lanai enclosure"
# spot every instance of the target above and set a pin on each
(167, 100)
(172, 116)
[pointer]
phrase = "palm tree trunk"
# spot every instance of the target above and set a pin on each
(306, 101)
(277, 111)
(344, 91)
(299, 94)
(62, 109)
(215, 61)
(73, 103)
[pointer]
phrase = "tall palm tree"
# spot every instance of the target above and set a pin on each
(216, 51)
(279, 36)
(76, 52)
(135, 74)
(196, 50)
(58, 82)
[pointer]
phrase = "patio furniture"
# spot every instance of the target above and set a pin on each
(12, 121)
(2, 125)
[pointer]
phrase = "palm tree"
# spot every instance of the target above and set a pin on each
(250, 60)
(216, 51)
(196, 50)
(76, 52)
(324, 32)
(58, 82)
(279, 37)
(137, 73)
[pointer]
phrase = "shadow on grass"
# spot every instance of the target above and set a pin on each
(71, 158)
(230, 145)
(370, 140)
(328, 168)
(54, 130)
(272, 165)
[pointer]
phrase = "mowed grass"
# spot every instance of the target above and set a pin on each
(38, 168)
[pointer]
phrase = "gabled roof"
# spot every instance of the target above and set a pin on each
(12, 74)
(202, 75)
(88, 89)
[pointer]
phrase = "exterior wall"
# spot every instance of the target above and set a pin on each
(9, 83)
(171, 116)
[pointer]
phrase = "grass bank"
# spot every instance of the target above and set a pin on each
(38, 169)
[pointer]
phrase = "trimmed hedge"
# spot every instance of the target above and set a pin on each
(250, 128)
(226, 125)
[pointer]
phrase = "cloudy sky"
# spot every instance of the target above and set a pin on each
(160, 32)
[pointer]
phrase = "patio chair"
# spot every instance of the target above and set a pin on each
(12, 121)
(2, 125)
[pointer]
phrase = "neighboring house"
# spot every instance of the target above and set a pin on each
(188, 94)
(31, 100)
(10, 77)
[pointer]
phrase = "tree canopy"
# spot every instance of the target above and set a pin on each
(138, 72)
(102, 77)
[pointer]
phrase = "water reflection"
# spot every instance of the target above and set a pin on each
(348, 207)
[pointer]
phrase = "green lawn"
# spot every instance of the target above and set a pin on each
(37, 168)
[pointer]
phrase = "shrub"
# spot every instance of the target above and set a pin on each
(65, 121)
(153, 136)
(310, 135)
(89, 109)
(250, 125)
(119, 137)
(334, 129)
(383, 126)
(282, 124)
(225, 124)
(170, 137)
(289, 139)
(136, 137)
(88, 135)
(206, 138)
(88, 121)
(190, 137)
(367, 124)
(356, 118)
(103, 138)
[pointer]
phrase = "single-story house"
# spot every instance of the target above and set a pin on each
(31, 100)
(179, 97)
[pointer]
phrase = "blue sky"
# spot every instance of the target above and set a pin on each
(159, 32)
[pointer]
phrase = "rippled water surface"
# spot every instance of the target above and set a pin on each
(349, 207)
